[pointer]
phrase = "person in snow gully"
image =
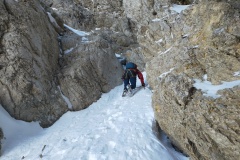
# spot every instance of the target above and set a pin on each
(130, 76)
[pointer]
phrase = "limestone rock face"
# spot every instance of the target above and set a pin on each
(142, 11)
(1, 137)
(87, 14)
(102, 16)
(72, 13)
(28, 63)
(33, 74)
(89, 70)
(199, 44)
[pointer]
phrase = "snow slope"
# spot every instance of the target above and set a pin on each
(113, 128)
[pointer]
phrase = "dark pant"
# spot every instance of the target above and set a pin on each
(132, 80)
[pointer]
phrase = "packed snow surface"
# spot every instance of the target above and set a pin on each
(113, 128)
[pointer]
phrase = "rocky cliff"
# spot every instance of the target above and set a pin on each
(196, 46)
(29, 63)
(107, 17)
(90, 68)
(190, 53)
(34, 68)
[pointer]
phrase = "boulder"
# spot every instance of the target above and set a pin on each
(29, 63)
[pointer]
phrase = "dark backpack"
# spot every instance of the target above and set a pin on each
(129, 73)
(131, 65)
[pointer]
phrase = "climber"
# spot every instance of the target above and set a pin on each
(130, 75)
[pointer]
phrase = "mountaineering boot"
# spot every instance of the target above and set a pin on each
(124, 92)
(135, 90)
(129, 88)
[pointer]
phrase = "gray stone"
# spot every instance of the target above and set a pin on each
(29, 63)
(89, 70)
(202, 40)
(1, 137)
(31, 74)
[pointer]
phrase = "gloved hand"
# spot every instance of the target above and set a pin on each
(143, 85)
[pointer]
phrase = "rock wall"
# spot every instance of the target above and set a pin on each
(28, 63)
(106, 16)
(201, 42)
(33, 71)
(89, 70)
